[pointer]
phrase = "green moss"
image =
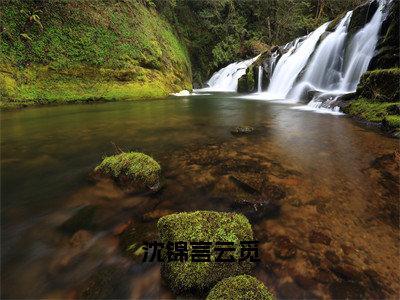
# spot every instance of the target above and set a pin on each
(380, 85)
(370, 110)
(207, 226)
(85, 51)
(135, 166)
(241, 287)
(392, 121)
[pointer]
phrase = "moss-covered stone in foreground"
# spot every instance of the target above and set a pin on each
(206, 226)
(240, 287)
(134, 171)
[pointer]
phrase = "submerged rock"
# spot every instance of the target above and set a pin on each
(284, 247)
(105, 283)
(240, 287)
(242, 130)
(319, 238)
(134, 172)
(82, 219)
(206, 226)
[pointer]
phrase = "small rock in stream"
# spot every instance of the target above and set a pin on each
(242, 130)
(284, 247)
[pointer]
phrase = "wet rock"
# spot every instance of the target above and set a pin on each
(82, 219)
(290, 290)
(306, 282)
(314, 260)
(257, 204)
(284, 248)
(347, 290)
(133, 172)
(323, 276)
(244, 186)
(242, 130)
(122, 227)
(347, 272)
(295, 203)
(105, 283)
(362, 15)
(210, 226)
(319, 238)
(132, 238)
(156, 214)
(332, 257)
(81, 239)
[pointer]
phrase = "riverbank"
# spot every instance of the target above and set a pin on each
(40, 85)
(72, 51)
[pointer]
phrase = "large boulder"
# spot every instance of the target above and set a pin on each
(240, 287)
(132, 171)
(380, 85)
(206, 226)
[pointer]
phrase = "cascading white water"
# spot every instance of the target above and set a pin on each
(336, 69)
(226, 79)
(259, 83)
(362, 48)
(325, 68)
(272, 63)
(291, 63)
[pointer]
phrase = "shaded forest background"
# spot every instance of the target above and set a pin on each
(218, 32)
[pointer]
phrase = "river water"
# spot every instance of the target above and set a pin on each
(338, 213)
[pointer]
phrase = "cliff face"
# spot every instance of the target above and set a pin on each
(88, 50)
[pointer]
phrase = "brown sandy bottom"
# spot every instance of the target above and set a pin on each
(327, 229)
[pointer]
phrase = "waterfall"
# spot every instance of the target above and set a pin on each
(336, 69)
(291, 64)
(325, 68)
(226, 79)
(362, 48)
(259, 83)
(272, 63)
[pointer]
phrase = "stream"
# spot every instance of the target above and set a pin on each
(338, 212)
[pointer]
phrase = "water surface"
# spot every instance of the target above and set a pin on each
(336, 174)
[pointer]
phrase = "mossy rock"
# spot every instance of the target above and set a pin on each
(240, 287)
(132, 171)
(247, 83)
(380, 85)
(208, 226)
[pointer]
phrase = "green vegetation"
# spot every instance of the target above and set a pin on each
(241, 287)
(219, 32)
(83, 51)
(135, 166)
(377, 98)
(370, 110)
(209, 226)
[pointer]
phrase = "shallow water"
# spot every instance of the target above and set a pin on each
(339, 180)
